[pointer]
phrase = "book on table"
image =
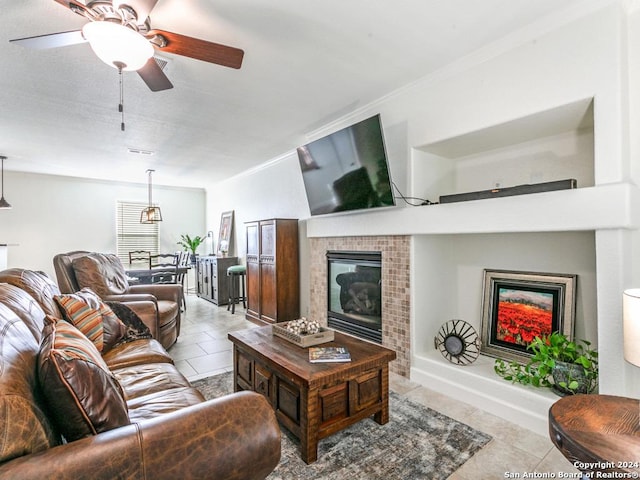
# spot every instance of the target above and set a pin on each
(328, 354)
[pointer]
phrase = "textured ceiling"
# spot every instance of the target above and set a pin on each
(306, 63)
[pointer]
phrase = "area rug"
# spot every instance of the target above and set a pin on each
(417, 443)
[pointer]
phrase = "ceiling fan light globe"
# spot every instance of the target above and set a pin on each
(116, 45)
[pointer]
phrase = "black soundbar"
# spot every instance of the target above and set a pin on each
(510, 191)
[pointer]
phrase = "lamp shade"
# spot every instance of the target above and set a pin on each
(116, 45)
(151, 214)
(631, 325)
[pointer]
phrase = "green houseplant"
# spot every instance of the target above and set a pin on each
(568, 367)
(191, 244)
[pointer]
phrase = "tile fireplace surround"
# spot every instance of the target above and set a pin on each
(396, 295)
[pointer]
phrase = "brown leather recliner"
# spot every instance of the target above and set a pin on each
(157, 305)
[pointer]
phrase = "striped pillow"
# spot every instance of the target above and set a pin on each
(69, 345)
(84, 396)
(89, 314)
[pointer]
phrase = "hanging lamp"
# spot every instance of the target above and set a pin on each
(152, 213)
(3, 203)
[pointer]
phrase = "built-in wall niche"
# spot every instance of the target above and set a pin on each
(448, 275)
(447, 283)
(555, 144)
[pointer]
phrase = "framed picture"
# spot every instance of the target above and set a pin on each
(519, 306)
(224, 235)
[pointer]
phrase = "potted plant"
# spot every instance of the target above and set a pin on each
(191, 245)
(566, 366)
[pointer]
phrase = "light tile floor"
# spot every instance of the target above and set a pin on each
(203, 350)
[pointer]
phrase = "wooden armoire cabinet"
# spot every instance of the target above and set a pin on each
(273, 271)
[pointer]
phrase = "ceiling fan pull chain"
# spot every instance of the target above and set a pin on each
(120, 66)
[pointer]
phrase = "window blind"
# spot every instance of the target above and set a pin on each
(131, 234)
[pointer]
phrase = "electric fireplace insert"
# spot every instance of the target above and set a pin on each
(355, 293)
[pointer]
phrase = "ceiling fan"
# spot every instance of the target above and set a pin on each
(120, 34)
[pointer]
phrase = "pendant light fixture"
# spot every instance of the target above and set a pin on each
(3, 203)
(152, 213)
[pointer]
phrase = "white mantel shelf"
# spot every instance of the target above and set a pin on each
(612, 206)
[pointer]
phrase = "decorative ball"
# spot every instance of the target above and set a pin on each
(302, 326)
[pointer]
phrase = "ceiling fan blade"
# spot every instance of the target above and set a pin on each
(51, 40)
(142, 7)
(154, 77)
(200, 49)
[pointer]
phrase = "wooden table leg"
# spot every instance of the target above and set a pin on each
(235, 368)
(382, 416)
(309, 426)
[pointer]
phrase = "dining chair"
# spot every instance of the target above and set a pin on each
(183, 265)
(164, 268)
(140, 257)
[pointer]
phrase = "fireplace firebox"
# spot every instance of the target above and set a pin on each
(355, 293)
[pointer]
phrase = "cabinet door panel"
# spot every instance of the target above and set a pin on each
(206, 268)
(253, 289)
(365, 390)
(253, 237)
(263, 381)
(244, 371)
(199, 278)
(267, 239)
(268, 299)
(288, 401)
(334, 403)
(213, 265)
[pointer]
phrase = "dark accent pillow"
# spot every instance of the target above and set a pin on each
(89, 314)
(135, 328)
(84, 396)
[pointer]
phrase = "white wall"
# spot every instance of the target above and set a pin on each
(575, 56)
(274, 190)
(55, 214)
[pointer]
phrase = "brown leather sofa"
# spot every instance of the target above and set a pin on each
(171, 432)
(158, 306)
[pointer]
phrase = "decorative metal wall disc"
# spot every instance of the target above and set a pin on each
(458, 342)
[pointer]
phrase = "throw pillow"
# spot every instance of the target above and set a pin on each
(89, 314)
(84, 396)
(135, 328)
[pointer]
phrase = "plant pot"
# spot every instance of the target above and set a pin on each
(567, 373)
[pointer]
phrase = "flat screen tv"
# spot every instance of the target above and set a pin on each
(347, 170)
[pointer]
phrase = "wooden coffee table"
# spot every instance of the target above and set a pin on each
(315, 400)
